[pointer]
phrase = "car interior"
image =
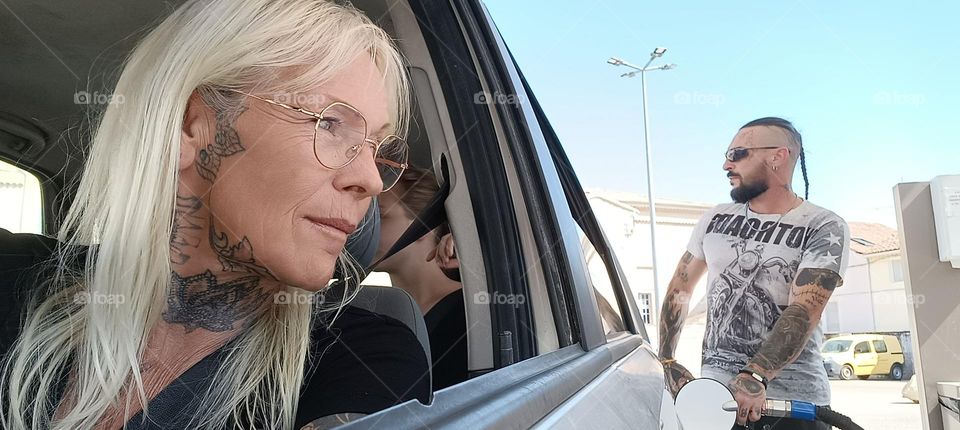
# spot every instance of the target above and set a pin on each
(45, 120)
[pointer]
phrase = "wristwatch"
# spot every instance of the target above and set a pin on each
(756, 376)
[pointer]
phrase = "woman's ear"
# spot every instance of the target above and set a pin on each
(195, 132)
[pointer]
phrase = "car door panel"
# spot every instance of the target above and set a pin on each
(521, 395)
(627, 395)
(864, 361)
(884, 359)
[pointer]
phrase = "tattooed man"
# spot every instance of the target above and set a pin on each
(773, 261)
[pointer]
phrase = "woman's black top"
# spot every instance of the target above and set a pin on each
(362, 363)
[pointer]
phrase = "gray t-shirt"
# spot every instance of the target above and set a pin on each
(751, 263)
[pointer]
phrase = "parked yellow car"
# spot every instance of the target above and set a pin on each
(862, 355)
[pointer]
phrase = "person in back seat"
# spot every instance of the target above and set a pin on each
(429, 270)
(215, 199)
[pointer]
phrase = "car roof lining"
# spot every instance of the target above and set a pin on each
(58, 56)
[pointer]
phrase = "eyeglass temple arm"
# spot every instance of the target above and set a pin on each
(391, 163)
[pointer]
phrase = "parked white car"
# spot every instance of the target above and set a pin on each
(910, 390)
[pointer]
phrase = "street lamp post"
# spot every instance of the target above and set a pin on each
(657, 53)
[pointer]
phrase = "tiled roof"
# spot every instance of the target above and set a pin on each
(872, 238)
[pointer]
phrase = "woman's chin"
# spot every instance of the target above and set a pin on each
(321, 282)
(309, 265)
(313, 281)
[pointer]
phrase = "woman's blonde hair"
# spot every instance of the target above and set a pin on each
(124, 210)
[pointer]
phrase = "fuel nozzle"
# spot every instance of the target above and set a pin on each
(783, 408)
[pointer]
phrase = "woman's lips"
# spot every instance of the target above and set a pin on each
(337, 224)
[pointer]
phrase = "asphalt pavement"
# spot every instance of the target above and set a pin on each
(876, 404)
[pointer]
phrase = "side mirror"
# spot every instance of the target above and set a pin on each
(700, 406)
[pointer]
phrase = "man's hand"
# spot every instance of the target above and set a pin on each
(751, 398)
(675, 376)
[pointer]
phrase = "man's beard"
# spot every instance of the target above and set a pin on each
(746, 191)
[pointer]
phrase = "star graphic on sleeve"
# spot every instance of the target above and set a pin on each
(831, 258)
(834, 239)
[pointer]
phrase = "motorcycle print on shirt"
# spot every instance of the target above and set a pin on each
(751, 303)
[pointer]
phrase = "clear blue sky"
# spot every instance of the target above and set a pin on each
(872, 86)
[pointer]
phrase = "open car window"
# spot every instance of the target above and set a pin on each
(21, 199)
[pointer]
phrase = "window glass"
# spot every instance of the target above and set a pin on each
(836, 346)
(609, 307)
(896, 270)
(879, 346)
(21, 200)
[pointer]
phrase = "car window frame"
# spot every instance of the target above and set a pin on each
(522, 394)
(544, 199)
(484, 169)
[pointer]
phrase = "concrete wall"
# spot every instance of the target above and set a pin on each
(934, 288)
(909, 361)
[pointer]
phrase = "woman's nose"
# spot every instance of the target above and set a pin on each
(361, 176)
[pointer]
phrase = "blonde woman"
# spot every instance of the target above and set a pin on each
(250, 141)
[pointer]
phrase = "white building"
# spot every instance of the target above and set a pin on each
(872, 298)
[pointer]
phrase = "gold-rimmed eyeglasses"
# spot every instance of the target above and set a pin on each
(339, 135)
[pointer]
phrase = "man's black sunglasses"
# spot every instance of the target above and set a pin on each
(736, 154)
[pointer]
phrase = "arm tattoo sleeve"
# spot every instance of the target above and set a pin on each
(674, 310)
(785, 342)
(811, 291)
(824, 278)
